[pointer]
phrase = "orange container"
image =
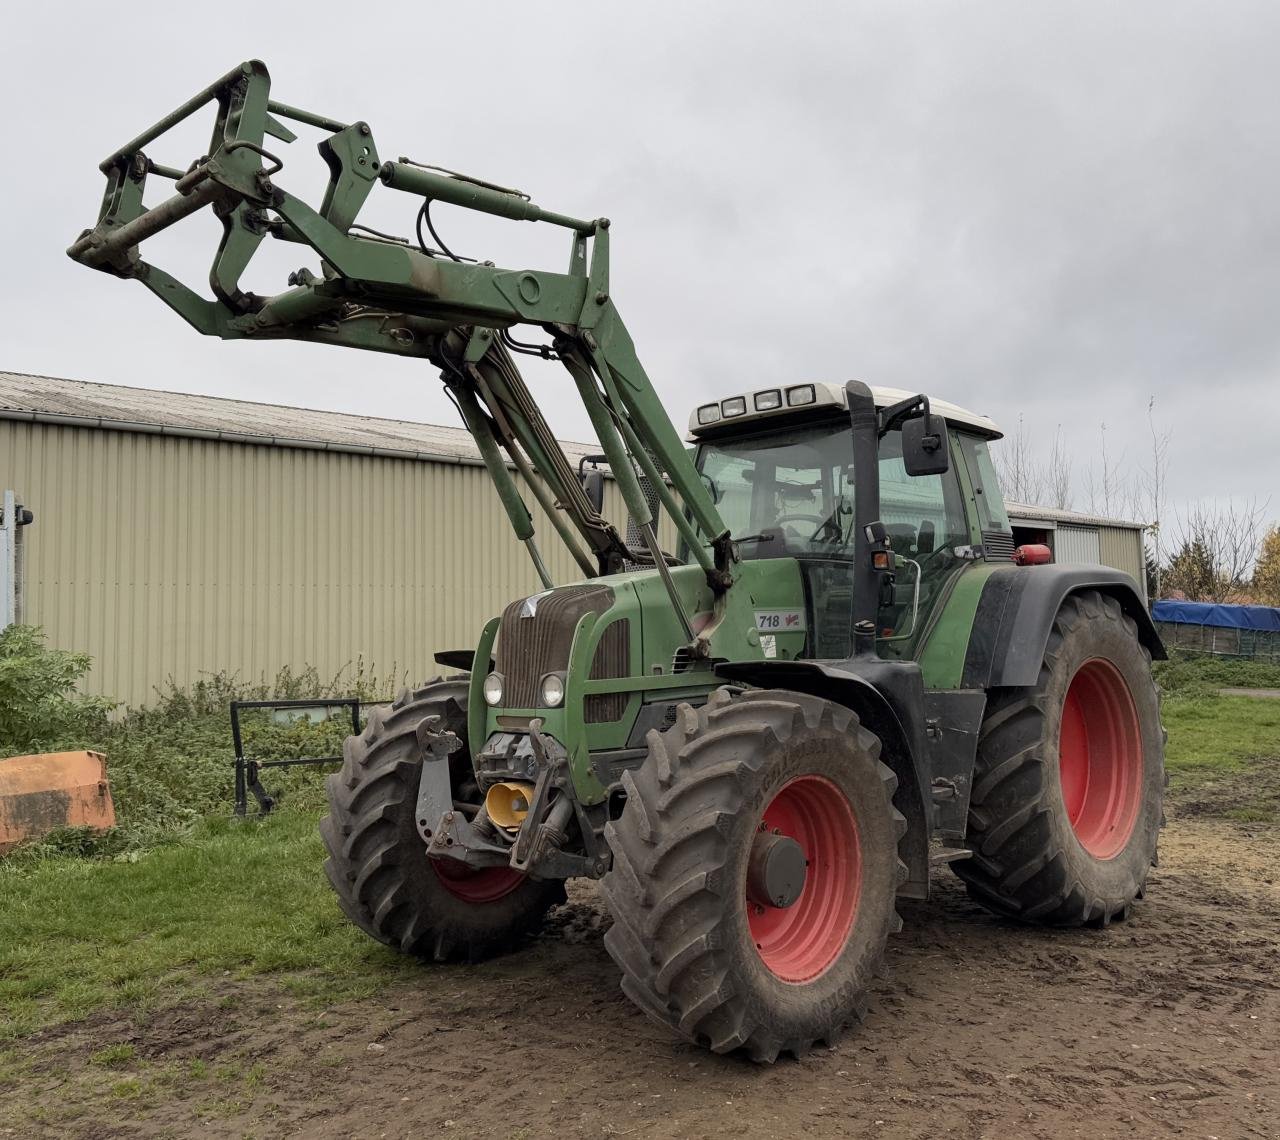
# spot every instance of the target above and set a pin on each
(56, 789)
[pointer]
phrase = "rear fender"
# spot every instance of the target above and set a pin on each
(899, 748)
(1016, 612)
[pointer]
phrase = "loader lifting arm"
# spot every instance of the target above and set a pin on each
(389, 294)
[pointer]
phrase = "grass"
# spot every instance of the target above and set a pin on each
(177, 897)
(231, 900)
(114, 1056)
(1221, 734)
(1223, 756)
(1200, 673)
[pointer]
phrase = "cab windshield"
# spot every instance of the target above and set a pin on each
(789, 492)
(784, 492)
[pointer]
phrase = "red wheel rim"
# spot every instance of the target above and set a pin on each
(483, 885)
(800, 942)
(1100, 759)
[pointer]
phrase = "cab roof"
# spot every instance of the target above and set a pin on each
(794, 399)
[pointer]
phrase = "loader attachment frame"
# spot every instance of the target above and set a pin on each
(380, 293)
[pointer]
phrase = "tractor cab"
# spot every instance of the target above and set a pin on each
(779, 465)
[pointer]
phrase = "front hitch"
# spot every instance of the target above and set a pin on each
(444, 829)
(537, 849)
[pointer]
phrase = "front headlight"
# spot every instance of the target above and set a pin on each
(492, 689)
(553, 690)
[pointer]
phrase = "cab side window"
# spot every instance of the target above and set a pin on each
(986, 487)
(924, 514)
(925, 519)
(730, 478)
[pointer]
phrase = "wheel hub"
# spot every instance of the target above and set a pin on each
(804, 877)
(476, 884)
(1100, 759)
(775, 870)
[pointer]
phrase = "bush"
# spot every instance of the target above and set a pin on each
(171, 763)
(39, 708)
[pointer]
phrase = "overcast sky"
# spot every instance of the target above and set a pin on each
(1053, 211)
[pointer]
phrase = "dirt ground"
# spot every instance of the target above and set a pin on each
(1168, 1025)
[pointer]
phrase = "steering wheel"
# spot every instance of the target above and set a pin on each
(817, 520)
(829, 531)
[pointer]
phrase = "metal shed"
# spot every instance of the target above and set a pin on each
(1081, 538)
(177, 535)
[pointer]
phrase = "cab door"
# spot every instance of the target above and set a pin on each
(930, 533)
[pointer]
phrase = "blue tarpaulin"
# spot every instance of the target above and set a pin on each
(1210, 613)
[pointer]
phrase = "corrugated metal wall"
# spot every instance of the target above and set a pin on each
(165, 557)
(1076, 544)
(1123, 548)
(1120, 547)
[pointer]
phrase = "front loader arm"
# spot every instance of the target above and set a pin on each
(380, 293)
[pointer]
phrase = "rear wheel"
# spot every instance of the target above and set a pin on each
(755, 869)
(378, 864)
(1067, 793)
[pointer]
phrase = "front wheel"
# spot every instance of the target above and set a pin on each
(1068, 787)
(755, 868)
(378, 863)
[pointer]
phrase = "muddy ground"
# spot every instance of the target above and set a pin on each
(1168, 1025)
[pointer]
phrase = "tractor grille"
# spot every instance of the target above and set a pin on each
(997, 546)
(612, 659)
(535, 634)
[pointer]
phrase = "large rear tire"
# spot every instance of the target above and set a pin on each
(699, 949)
(1069, 783)
(378, 865)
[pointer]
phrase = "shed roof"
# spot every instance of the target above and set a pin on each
(1031, 512)
(115, 407)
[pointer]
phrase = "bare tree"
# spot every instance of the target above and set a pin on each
(1226, 536)
(1110, 488)
(1154, 487)
(1030, 475)
(1021, 477)
(1058, 474)
(1130, 500)
(1109, 474)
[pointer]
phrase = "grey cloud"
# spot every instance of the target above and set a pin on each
(1055, 211)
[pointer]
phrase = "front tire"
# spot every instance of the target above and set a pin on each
(700, 948)
(378, 865)
(1068, 787)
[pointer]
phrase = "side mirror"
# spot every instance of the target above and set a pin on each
(924, 446)
(593, 486)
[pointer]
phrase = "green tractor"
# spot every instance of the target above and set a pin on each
(842, 675)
